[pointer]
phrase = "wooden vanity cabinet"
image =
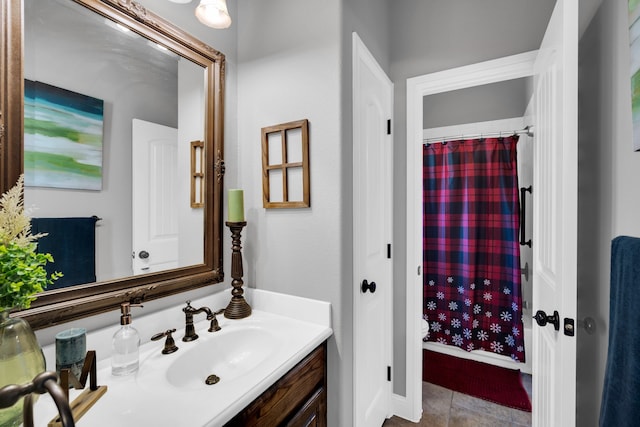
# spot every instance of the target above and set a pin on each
(297, 399)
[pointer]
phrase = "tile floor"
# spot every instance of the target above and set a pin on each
(442, 407)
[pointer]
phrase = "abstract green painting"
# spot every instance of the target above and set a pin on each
(634, 43)
(62, 138)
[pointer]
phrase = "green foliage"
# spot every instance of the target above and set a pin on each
(22, 272)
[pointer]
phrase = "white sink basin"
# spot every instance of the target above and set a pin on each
(227, 355)
(240, 352)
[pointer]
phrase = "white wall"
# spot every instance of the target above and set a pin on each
(608, 199)
(289, 69)
(191, 107)
(79, 62)
(482, 103)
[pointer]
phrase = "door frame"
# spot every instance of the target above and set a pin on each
(361, 56)
(493, 71)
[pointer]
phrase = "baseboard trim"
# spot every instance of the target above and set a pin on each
(404, 409)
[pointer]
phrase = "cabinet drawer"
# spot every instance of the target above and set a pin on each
(289, 395)
(313, 413)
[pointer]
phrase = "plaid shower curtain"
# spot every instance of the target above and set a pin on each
(471, 253)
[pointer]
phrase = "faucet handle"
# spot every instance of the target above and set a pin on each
(215, 327)
(169, 344)
(188, 308)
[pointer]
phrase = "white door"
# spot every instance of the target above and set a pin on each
(372, 203)
(154, 191)
(555, 218)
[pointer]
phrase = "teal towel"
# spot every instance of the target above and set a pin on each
(72, 243)
(621, 393)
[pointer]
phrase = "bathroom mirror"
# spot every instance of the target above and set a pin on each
(147, 76)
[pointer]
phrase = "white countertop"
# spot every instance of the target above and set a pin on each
(295, 326)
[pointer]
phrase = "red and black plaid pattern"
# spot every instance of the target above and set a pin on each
(471, 253)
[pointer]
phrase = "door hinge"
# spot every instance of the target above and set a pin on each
(419, 269)
(388, 373)
(389, 127)
(389, 250)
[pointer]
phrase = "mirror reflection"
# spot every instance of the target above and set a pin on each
(109, 121)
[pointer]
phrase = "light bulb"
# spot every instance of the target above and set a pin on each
(213, 13)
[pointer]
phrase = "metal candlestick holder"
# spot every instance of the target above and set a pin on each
(238, 307)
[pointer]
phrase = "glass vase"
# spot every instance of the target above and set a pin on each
(21, 359)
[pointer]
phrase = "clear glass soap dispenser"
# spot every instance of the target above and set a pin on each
(126, 345)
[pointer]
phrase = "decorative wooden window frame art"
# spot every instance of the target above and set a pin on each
(285, 160)
(197, 174)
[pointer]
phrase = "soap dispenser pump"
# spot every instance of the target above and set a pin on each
(126, 344)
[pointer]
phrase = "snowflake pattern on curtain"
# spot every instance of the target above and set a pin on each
(456, 318)
(472, 279)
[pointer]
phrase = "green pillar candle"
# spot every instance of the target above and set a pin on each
(236, 205)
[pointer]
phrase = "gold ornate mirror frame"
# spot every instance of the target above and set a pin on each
(63, 305)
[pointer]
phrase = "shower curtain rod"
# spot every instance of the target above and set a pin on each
(528, 130)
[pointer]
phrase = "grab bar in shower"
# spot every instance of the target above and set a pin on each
(523, 215)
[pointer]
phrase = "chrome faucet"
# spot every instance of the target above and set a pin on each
(190, 330)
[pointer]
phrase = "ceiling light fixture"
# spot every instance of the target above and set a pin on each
(213, 13)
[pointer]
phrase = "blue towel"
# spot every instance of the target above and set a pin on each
(72, 243)
(621, 393)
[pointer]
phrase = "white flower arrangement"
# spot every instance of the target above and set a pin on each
(22, 272)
